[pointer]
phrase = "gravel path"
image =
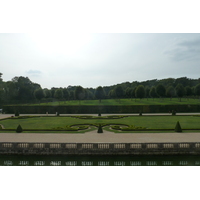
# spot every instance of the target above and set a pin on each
(93, 136)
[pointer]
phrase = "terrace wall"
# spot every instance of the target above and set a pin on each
(100, 148)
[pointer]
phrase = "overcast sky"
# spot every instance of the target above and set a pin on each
(90, 60)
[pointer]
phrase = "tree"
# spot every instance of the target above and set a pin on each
(170, 92)
(71, 95)
(128, 92)
(99, 93)
(112, 94)
(39, 94)
(147, 90)
(58, 94)
(180, 91)
(53, 89)
(160, 90)
(178, 127)
(152, 92)
(133, 92)
(90, 95)
(19, 129)
(24, 89)
(197, 90)
(47, 93)
(79, 93)
(188, 91)
(65, 94)
(119, 92)
(100, 130)
(140, 92)
(1, 89)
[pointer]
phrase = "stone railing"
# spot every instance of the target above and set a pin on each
(100, 148)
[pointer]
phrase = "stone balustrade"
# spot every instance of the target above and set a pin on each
(192, 148)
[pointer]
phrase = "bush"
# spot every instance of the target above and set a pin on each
(178, 127)
(16, 113)
(100, 130)
(173, 112)
(19, 129)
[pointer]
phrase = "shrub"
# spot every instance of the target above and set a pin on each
(173, 112)
(116, 127)
(178, 127)
(16, 113)
(100, 130)
(19, 129)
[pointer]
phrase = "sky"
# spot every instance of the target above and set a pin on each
(99, 43)
(94, 59)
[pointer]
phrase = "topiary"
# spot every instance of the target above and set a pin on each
(100, 130)
(19, 129)
(178, 127)
(16, 113)
(173, 112)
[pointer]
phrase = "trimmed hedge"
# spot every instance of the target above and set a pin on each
(83, 109)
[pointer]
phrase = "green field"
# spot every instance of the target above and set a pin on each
(148, 122)
(150, 101)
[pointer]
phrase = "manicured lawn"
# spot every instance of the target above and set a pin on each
(153, 122)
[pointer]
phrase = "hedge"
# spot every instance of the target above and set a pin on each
(115, 109)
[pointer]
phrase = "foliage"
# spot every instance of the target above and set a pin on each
(197, 90)
(119, 92)
(173, 112)
(39, 94)
(16, 113)
(65, 94)
(100, 130)
(19, 129)
(147, 91)
(178, 127)
(188, 91)
(170, 91)
(22, 89)
(58, 94)
(180, 91)
(140, 92)
(160, 90)
(152, 92)
(79, 93)
(99, 93)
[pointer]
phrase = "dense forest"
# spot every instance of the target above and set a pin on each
(23, 90)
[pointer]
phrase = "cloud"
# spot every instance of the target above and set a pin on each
(35, 73)
(186, 50)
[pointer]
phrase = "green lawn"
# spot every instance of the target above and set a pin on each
(156, 101)
(152, 122)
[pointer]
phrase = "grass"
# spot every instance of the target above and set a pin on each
(152, 122)
(150, 101)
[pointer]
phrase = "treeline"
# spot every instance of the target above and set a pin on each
(23, 90)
